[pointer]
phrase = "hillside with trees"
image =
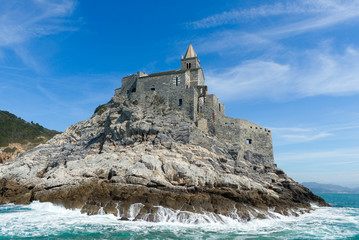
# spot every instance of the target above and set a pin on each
(17, 135)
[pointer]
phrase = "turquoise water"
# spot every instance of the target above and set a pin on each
(47, 221)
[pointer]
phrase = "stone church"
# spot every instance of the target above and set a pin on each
(185, 90)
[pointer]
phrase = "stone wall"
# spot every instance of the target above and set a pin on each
(170, 88)
(214, 109)
(249, 136)
(197, 77)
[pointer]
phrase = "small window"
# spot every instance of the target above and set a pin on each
(133, 90)
(219, 107)
(249, 141)
(176, 81)
(226, 123)
(179, 102)
(153, 88)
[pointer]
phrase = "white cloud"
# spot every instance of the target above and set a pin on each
(322, 13)
(249, 80)
(332, 156)
(281, 72)
(22, 21)
(296, 138)
(296, 17)
(294, 135)
(315, 72)
(291, 129)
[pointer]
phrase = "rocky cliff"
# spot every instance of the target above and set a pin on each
(129, 160)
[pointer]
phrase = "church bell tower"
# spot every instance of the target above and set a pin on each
(190, 60)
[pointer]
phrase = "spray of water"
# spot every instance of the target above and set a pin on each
(46, 219)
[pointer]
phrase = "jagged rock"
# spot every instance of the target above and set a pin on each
(131, 154)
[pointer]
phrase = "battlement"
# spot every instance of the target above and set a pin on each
(185, 90)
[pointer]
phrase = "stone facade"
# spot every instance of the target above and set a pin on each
(185, 90)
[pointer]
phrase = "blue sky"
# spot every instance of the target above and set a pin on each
(291, 66)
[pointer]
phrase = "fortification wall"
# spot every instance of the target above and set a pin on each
(213, 108)
(128, 84)
(254, 141)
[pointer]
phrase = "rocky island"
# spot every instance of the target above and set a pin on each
(161, 142)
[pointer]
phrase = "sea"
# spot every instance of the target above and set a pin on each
(48, 221)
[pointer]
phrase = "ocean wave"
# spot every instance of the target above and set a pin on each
(48, 220)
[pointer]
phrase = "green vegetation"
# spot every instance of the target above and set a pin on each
(9, 150)
(157, 100)
(100, 109)
(16, 130)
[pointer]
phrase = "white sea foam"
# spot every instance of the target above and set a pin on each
(46, 219)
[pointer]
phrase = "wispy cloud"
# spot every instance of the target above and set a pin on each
(22, 21)
(286, 136)
(295, 138)
(293, 135)
(279, 71)
(324, 12)
(296, 17)
(333, 156)
(314, 72)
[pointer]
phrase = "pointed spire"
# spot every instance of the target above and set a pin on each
(190, 52)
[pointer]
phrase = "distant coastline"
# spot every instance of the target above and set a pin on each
(329, 188)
